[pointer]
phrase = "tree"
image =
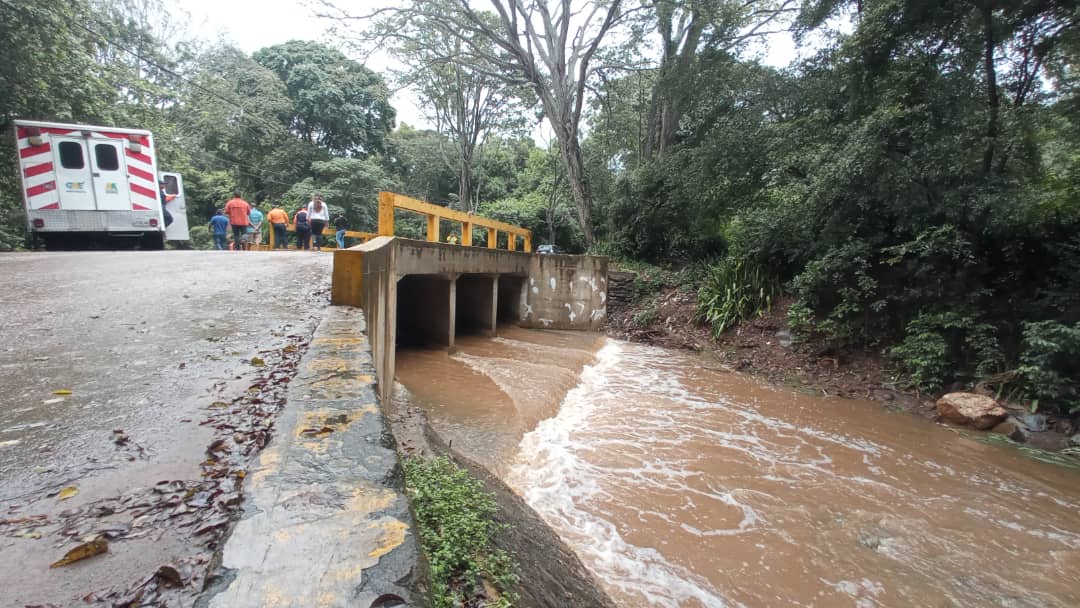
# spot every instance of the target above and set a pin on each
(546, 45)
(338, 104)
(419, 159)
(465, 103)
(685, 28)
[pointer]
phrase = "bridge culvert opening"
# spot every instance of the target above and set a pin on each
(423, 311)
(510, 300)
(476, 305)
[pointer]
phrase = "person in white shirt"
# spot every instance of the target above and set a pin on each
(318, 215)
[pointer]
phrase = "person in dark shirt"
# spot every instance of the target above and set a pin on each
(303, 229)
(341, 225)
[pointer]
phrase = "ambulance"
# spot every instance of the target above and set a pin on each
(87, 186)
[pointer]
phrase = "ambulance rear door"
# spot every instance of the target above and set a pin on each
(177, 207)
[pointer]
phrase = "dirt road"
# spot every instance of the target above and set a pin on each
(109, 362)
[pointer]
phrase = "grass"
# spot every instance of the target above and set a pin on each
(456, 521)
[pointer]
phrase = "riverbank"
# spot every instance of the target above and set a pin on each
(764, 347)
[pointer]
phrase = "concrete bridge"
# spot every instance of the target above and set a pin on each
(419, 293)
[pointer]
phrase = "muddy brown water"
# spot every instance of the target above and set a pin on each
(682, 484)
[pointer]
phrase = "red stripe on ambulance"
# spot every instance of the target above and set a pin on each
(137, 172)
(139, 157)
(137, 189)
(35, 150)
(33, 170)
(33, 191)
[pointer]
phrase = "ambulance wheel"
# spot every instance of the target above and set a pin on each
(153, 241)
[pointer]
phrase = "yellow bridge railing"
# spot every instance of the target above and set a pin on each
(328, 236)
(389, 201)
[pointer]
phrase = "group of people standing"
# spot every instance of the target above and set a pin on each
(246, 222)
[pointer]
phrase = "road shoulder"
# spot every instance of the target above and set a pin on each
(326, 522)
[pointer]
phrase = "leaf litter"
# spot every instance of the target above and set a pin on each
(205, 507)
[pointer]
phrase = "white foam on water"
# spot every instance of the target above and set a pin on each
(556, 480)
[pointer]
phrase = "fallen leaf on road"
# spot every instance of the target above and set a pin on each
(170, 576)
(258, 361)
(219, 404)
(67, 493)
(212, 523)
(289, 349)
(61, 391)
(30, 534)
(83, 551)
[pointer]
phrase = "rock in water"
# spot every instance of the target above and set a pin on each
(1011, 429)
(968, 409)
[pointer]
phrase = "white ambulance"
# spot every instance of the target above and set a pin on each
(85, 185)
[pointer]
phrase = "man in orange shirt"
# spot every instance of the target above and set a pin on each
(280, 221)
(238, 210)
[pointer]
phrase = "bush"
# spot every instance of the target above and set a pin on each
(1049, 369)
(734, 290)
(455, 517)
(940, 347)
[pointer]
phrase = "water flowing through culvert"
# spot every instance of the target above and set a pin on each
(679, 484)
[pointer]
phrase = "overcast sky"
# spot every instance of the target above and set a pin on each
(254, 24)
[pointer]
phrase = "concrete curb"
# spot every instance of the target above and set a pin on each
(325, 522)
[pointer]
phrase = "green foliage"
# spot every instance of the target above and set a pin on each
(1049, 368)
(338, 104)
(455, 517)
(939, 347)
(647, 315)
(733, 291)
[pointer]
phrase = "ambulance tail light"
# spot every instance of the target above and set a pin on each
(133, 143)
(39, 223)
(33, 136)
(153, 222)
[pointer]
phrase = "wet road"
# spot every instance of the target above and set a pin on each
(144, 342)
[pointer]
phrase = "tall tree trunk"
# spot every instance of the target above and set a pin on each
(992, 100)
(580, 188)
(465, 184)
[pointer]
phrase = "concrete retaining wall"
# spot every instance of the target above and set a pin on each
(566, 292)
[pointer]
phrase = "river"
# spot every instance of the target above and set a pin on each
(680, 483)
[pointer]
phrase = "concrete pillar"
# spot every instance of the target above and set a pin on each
(451, 319)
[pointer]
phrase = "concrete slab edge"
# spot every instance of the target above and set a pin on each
(326, 522)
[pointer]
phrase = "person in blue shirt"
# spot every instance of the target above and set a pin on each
(256, 218)
(219, 227)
